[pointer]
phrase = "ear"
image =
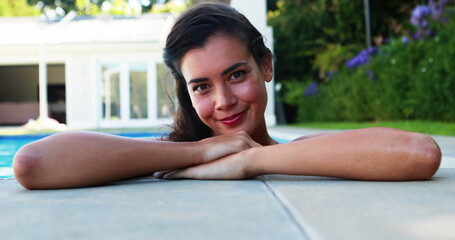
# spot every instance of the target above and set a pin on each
(267, 68)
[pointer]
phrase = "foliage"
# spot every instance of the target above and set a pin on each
(313, 39)
(311, 28)
(299, 35)
(120, 7)
(328, 62)
(94, 7)
(66, 5)
(170, 6)
(16, 8)
(196, 2)
(411, 79)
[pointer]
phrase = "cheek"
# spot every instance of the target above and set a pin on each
(251, 92)
(203, 106)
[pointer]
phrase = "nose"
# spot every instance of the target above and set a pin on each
(225, 98)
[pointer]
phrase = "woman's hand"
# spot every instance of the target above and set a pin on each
(234, 166)
(224, 151)
(220, 146)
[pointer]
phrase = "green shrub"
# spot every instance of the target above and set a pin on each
(313, 38)
(414, 80)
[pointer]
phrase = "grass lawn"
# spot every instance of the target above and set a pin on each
(427, 127)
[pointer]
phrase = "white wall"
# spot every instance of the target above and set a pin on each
(80, 95)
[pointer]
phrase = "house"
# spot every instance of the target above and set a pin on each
(95, 72)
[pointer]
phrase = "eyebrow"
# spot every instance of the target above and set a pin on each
(197, 80)
(231, 68)
(224, 72)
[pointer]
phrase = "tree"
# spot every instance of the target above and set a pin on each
(66, 5)
(16, 8)
(309, 28)
(94, 7)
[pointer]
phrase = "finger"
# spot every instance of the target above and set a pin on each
(175, 175)
(192, 172)
(161, 174)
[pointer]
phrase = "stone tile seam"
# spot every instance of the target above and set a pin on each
(307, 232)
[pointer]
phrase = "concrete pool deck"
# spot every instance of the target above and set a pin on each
(269, 207)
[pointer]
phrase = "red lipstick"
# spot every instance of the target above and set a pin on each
(232, 119)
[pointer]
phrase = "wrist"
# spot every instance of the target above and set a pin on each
(201, 152)
(252, 162)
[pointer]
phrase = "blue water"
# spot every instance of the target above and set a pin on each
(9, 145)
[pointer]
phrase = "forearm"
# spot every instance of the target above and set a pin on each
(80, 159)
(367, 154)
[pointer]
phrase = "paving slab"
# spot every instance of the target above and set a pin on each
(331, 208)
(155, 209)
(269, 207)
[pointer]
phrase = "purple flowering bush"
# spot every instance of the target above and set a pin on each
(361, 58)
(424, 16)
(408, 78)
(420, 16)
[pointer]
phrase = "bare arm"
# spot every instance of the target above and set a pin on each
(79, 159)
(366, 154)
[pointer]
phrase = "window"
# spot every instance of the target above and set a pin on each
(136, 93)
(110, 91)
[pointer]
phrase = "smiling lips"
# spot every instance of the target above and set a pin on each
(232, 119)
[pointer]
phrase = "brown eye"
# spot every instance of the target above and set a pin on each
(237, 74)
(200, 87)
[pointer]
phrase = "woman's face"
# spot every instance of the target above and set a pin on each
(226, 85)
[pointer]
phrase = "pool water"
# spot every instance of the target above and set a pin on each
(9, 145)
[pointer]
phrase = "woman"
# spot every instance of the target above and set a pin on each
(221, 66)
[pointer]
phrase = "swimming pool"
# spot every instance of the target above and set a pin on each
(9, 145)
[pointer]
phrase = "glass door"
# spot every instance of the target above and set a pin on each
(138, 99)
(136, 93)
(110, 91)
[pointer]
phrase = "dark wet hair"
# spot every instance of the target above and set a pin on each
(192, 30)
